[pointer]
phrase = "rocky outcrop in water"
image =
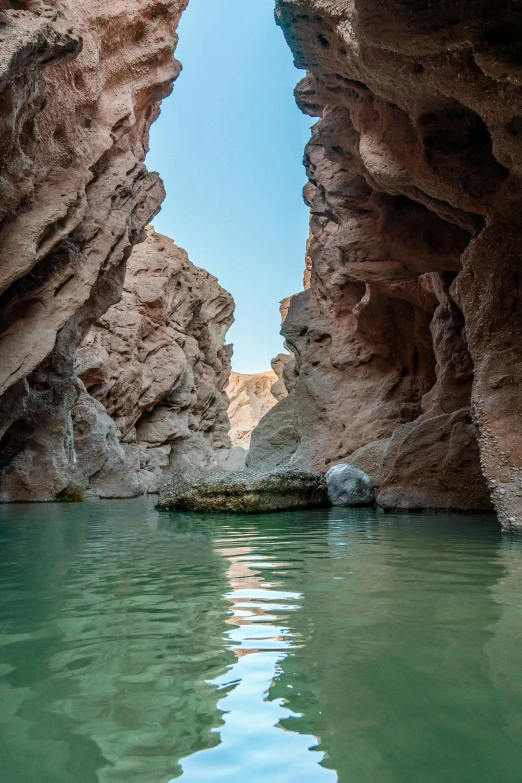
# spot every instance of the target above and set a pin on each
(408, 340)
(80, 84)
(245, 491)
(158, 363)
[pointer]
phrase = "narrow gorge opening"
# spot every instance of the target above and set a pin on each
(113, 340)
(232, 117)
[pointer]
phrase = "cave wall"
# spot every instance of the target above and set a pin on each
(80, 84)
(408, 339)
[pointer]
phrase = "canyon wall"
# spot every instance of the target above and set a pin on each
(250, 398)
(80, 84)
(154, 369)
(408, 338)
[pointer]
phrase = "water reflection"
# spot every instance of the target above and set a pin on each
(111, 625)
(138, 647)
(398, 627)
(252, 737)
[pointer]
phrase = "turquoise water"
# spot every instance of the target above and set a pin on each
(303, 647)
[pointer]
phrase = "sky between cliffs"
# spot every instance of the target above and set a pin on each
(229, 147)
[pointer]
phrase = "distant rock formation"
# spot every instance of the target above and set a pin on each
(408, 340)
(158, 363)
(250, 398)
(80, 85)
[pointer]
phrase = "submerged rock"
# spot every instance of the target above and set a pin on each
(245, 491)
(349, 486)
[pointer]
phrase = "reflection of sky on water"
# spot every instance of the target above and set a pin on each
(389, 641)
(254, 746)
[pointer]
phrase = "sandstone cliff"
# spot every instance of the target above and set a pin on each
(408, 340)
(80, 84)
(158, 363)
(250, 398)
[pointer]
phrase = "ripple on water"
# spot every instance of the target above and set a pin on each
(351, 646)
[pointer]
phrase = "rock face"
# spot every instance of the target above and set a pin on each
(104, 467)
(349, 486)
(411, 327)
(275, 440)
(250, 398)
(245, 491)
(279, 366)
(80, 84)
(158, 363)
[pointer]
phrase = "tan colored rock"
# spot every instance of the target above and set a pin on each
(105, 468)
(412, 314)
(369, 458)
(250, 398)
(80, 84)
(279, 365)
(158, 363)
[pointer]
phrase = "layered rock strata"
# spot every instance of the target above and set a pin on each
(408, 340)
(80, 84)
(157, 364)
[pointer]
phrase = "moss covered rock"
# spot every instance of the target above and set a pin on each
(245, 491)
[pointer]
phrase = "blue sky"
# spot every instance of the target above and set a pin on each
(229, 147)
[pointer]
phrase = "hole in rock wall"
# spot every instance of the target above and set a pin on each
(17, 300)
(514, 126)
(459, 147)
(14, 439)
(506, 41)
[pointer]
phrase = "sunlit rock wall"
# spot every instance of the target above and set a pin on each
(158, 364)
(409, 336)
(250, 398)
(80, 85)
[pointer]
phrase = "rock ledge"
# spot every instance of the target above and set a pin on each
(245, 491)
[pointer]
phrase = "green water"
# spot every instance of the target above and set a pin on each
(352, 646)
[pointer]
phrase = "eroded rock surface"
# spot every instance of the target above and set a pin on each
(412, 310)
(250, 398)
(349, 486)
(80, 84)
(245, 491)
(280, 366)
(275, 440)
(158, 363)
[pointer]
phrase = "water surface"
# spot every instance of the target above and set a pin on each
(306, 647)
